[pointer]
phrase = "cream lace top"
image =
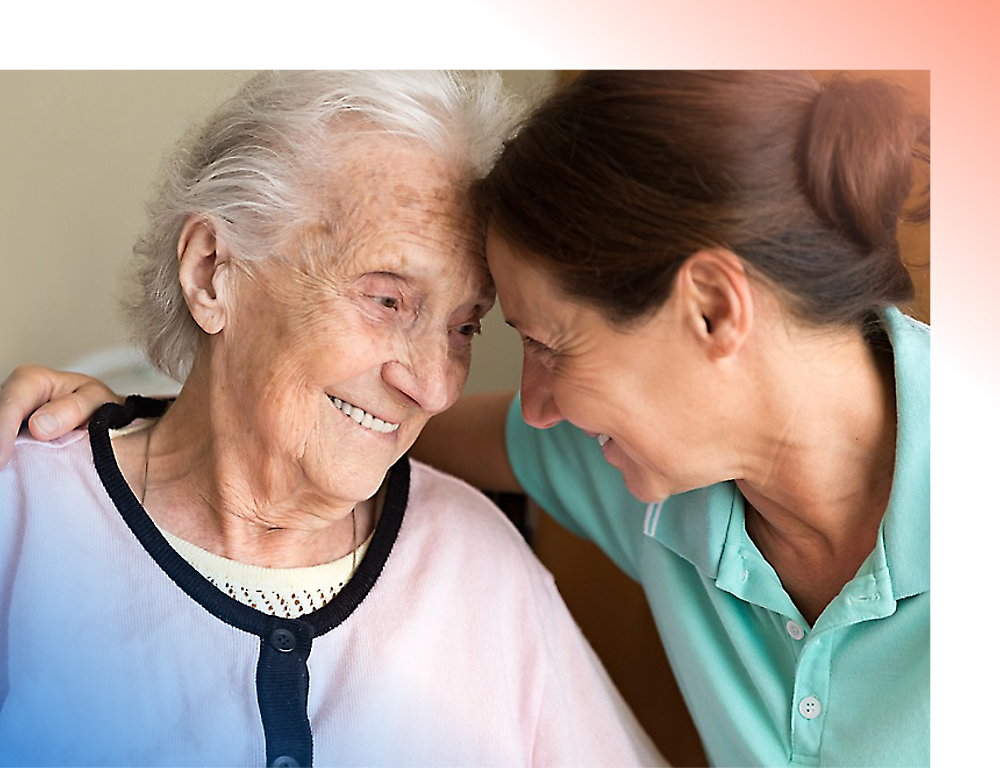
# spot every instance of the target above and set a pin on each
(285, 592)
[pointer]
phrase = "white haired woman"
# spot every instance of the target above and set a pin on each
(257, 574)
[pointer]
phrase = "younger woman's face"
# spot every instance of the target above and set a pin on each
(629, 388)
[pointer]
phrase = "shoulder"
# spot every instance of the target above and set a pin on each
(42, 475)
(24, 440)
(29, 452)
(565, 472)
(448, 495)
(36, 465)
(461, 544)
(433, 480)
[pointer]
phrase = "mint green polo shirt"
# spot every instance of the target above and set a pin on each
(763, 687)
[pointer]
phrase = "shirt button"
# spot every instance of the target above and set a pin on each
(285, 761)
(810, 708)
(794, 630)
(284, 641)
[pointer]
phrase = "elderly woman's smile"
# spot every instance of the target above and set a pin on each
(365, 419)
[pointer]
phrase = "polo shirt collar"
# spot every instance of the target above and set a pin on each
(907, 523)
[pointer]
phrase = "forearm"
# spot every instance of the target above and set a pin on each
(467, 441)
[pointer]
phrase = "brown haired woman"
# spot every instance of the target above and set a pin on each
(719, 390)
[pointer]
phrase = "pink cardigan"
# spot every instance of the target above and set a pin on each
(454, 648)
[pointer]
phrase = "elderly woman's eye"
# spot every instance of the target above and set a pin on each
(470, 329)
(389, 302)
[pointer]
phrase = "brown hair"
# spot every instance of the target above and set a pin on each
(619, 177)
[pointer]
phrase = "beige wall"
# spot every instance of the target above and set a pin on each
(79, 151)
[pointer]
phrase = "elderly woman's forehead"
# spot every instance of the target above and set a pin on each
(341, 247)
(420, 195)
(338, 235)
(360, 162)
(383, 196)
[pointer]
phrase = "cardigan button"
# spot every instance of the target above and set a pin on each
(285, 761)
(284, 641)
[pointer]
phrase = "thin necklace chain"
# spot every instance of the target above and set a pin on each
(354, 516)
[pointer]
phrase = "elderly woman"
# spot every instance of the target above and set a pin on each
(257, 574)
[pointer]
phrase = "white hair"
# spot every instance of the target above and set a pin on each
(244, 169)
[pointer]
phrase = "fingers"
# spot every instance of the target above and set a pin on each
(21, 392)
(67, 400)
(69, 411)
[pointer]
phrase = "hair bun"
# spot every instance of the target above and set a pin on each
(859, 151)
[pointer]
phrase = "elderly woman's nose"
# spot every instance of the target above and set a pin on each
(426, 374)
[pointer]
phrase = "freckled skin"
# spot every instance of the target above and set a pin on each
(373, 301)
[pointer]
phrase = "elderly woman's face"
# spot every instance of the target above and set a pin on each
(345, 347)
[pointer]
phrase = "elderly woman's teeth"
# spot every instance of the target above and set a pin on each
(363, 418)
(602, 439)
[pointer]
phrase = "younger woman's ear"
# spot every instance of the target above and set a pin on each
(716, 300)
(203, 267)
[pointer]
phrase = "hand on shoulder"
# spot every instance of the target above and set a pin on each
(55, 401)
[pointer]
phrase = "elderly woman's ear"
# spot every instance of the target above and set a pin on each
(204, 271)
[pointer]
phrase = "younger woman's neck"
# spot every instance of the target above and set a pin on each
(818, 496)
